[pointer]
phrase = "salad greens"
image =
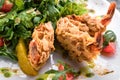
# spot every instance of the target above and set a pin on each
(11, 29)
(26, 14)
(52, 10)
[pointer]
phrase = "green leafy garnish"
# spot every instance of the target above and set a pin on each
(109, 36)
(1, 3)
(8, 52)
(19, 4)
(57, 73)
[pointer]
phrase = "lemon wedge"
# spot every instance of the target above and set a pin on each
(23, 60)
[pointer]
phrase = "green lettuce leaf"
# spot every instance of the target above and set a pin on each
(19, 4)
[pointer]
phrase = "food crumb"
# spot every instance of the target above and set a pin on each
(100, 70)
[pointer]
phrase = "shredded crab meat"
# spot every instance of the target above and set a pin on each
(77, 37)
(41, 45)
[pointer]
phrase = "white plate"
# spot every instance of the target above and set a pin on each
(100, 6)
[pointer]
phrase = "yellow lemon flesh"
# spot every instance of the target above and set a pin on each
(23, 60)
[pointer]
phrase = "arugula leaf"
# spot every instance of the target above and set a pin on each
(7, 32)
(73, 8)
(22, 32)
(26, 17)
(6, 20)
(57, 73)
(11, 15)
(1, 3)
(51, 71)
(19, 4)
(6, 51)
(2, 22)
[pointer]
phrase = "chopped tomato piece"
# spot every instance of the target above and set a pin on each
(69, 76)
(61, 67)
(109, 50)
(7, 6)
(1, 42)
(61, 78)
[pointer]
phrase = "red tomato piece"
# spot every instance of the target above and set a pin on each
(7, 6)
(60, 67)
(69, 76)
(61, 78)
(1, 42)
(109, 50)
